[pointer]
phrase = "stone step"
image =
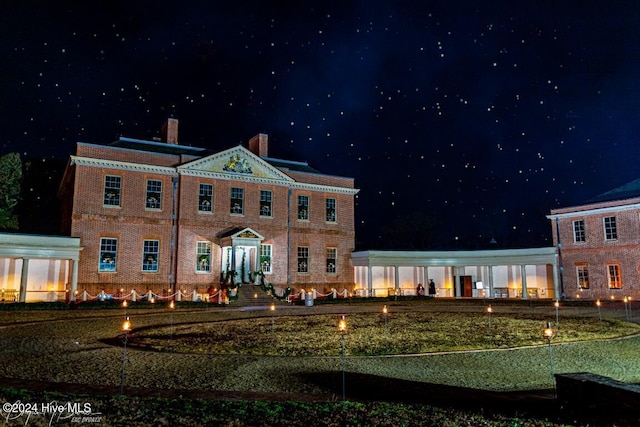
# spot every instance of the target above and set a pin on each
(253, 295)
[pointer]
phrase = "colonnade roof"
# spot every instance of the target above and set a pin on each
(39, 246)
(530, 256)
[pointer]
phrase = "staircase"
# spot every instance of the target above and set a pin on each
(254, 296)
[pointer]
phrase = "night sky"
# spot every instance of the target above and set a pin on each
(460, 122)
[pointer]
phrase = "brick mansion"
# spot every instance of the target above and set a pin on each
(163, 216)
(158, 216)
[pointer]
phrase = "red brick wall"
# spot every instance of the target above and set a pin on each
(132, 223)
(598, 252)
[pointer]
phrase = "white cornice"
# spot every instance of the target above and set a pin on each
(534, 256)
(596, 211)
(114, 164)
(268, 181)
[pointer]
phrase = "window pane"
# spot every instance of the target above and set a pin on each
(205, 198)
(112, 185)
(332, 255)
(331, 210)
(614, 276)
(237, 200)
(203, 255)
(303, 259)
(583, 276)
(150, 251)
(265, 203)
(154, 194)
(578, 231)
(108, 254)
(303, 207)
(265, 258)
(610, 229)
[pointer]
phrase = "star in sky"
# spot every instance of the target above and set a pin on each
(471, 120)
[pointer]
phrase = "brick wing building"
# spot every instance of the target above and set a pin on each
(599, 245)
(156, 215)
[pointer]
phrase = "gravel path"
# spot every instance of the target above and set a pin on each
(74, 351)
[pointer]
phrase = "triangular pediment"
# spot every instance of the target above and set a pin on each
(237, 161)
(239, 234)
(248, 233)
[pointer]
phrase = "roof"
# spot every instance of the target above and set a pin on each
(290, 165)
(157, 147)
(629, 190)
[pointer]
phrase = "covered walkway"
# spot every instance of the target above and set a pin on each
(512, 273)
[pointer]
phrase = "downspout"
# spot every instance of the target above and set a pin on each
(174, 232)
(560, 267)
(288, 238)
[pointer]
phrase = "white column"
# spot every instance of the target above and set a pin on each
(396, 278)
(556, 281)
(370, 279)
(523, 273)
(457, 285)
(23, 280)
(491, 294)
(74, 280)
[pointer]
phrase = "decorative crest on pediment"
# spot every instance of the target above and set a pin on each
(248, 234)
(238, 164)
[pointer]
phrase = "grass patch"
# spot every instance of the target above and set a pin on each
(369, 334)
(141, 411)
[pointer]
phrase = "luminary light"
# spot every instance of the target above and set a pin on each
(126, 325)
(342, 325)
(548, 331)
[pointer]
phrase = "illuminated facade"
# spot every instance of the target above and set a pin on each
(156, 215)
(599, 245)
(509, 273)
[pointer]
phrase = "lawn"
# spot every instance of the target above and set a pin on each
(371, 334)
(428, 364)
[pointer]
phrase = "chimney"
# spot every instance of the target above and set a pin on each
(259, 145)
(170, 131)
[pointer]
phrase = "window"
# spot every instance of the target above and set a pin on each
(154, 194)
(108, 254)
(265, 203)
(265, 258)
(112, 187)
(205, 198)
(203, 255)
(237, 200)
(582, 272)
(578, 231)
(303, 208)
(303, 259)
(332, 258)
(610, 230)
(150, 251)
(613, 276)
(330, 209)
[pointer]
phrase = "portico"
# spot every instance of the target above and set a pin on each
(240, 253)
